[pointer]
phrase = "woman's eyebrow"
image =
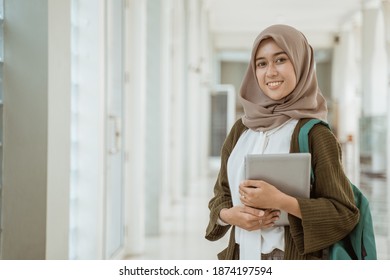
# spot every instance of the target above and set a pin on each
(275, 54)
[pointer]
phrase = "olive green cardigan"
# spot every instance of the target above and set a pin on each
(328, 216)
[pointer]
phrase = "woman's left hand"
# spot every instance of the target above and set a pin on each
(260, 194)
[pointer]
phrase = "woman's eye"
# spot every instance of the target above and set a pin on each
(281, 60)
(261, 64)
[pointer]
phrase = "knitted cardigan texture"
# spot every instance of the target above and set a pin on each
(327, 216)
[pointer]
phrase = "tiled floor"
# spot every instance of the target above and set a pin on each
(183, 233)
(182, 236)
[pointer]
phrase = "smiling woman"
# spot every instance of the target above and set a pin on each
(279, 94)
(281, 53)
(274, 70)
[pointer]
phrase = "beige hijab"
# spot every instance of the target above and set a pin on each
(305, 101)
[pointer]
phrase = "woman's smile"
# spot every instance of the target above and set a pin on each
(274, 85)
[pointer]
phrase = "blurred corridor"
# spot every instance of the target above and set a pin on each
(113, 113)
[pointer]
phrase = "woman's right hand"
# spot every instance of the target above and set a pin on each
(249, 218)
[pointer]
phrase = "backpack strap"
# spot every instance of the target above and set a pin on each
(303, 138)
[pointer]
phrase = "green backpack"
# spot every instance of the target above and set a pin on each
(359, 244)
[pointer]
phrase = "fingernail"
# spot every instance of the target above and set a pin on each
(261, 213)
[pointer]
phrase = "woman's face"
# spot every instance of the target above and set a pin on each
(274, 70)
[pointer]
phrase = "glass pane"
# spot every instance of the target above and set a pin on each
(114, 183)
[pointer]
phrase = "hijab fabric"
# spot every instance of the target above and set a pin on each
(305, 101)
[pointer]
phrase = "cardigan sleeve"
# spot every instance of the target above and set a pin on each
(330, 214)
(222, 197)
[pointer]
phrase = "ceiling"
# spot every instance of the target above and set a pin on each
(235, 23)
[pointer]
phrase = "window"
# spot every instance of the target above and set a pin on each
(222, 114)
(96, 199)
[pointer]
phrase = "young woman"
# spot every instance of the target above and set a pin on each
(279, 94)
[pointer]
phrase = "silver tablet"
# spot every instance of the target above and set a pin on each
(290, 173)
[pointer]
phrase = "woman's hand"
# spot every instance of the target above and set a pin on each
(260, 194)
(249, 218)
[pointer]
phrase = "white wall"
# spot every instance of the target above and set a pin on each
(58, 150)
(25, 130)
(373, 63)
(386, 14)
(36, 130)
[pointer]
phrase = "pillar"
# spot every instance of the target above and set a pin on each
(58, 161)
(374, 86)
(35, 213)
(135, 123)
(386, 16)
(154, 131)
(345, 92)
(193, 115)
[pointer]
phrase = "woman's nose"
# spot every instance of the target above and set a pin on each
(271, 70)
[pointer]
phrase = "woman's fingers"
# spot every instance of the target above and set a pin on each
(254, 219)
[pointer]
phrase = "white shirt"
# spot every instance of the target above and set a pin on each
(275, 141)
